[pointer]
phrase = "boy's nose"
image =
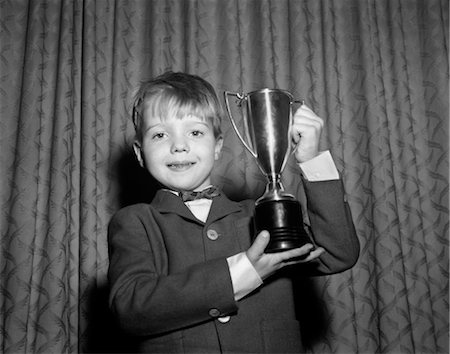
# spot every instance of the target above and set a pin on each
(179, 145)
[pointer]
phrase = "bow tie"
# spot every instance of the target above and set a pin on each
(207, 193)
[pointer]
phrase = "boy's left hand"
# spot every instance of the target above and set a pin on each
(266, 264)
(306, 131)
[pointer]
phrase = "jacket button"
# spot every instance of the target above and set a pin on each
(224, 319)
(212, 234)
(214, 313)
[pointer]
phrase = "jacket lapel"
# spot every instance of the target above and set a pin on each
(222, 206)
(167, 202)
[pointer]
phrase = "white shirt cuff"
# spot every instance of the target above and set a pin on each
(320, 168)
(244, 277)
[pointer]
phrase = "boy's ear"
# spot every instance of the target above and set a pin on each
(218, 148)
(138, 152)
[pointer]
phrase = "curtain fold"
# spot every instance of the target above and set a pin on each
(376, 71)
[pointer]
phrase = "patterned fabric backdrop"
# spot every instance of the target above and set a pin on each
(375, 70)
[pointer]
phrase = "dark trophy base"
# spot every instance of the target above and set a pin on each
(283, 219)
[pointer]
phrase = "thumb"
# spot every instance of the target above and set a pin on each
(256, 250)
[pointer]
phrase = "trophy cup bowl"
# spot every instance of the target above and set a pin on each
(267, 118)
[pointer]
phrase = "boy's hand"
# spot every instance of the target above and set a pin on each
(306, 131)
(268, 263)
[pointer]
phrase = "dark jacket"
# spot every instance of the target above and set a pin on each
(170, 282)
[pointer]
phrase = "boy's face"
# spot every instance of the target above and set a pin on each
(179, 153)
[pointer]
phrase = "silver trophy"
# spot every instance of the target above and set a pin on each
(267, 117)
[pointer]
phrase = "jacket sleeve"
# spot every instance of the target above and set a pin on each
(145, 297)
(332, 226)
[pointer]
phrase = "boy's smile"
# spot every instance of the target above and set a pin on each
(179, 152)
(182, 165)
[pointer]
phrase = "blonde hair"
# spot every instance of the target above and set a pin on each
(177, 94)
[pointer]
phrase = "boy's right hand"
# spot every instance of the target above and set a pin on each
(266, 264)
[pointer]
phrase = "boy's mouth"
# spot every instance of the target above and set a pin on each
(182, 165)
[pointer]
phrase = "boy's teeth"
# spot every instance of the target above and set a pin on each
(180, 165)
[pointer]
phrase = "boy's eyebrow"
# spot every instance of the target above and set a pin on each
(151, 127)
(204, 122)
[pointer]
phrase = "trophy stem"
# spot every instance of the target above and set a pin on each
(274, 183)
(274, 190)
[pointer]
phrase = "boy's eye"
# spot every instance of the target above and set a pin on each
(197, 133)
(157, 136)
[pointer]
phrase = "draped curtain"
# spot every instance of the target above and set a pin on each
(376, 71)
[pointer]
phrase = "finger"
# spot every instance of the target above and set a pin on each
(316, 253)
(296, 253)
(306, 107)
(256, 250)
(308, 118)
(305, 110)
(300, 130)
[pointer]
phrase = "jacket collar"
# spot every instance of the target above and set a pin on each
(167, 202)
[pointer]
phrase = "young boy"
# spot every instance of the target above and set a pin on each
(187, 275)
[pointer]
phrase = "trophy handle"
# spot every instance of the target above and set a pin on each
(240, 97)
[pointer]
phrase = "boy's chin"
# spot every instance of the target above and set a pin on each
(184, 184)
